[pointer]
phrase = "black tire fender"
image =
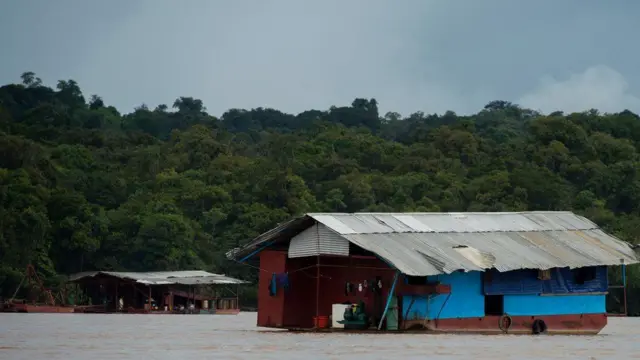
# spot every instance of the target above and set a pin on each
(538, 327)
(504, 323)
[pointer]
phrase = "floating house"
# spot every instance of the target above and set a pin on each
(524, 272)
(165, 292)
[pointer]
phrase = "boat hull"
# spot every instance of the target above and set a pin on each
(579, 324)
(31, 308)
(226, 312)
(101, 310)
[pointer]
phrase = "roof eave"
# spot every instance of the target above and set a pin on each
(281, 232)
(210, 279)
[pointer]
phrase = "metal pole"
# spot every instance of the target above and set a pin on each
(317, 278)
(391, 291)
(117, 300)
(317, 290)
(624, 288)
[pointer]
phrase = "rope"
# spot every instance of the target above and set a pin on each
(315, 277)
(251, 266)
(426, 317)
(18, 289)
(291, 272)
(441, 308)
(406, 314)
(267, 271)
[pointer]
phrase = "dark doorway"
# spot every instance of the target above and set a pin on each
(416, 280)
(494, 304)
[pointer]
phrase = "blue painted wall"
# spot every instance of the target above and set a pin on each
(536, 305)
(521, 291)
(466, 298)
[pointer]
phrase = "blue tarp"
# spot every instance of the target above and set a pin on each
(563, 281)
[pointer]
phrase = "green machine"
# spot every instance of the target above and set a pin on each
(392, 314)
(355, 317)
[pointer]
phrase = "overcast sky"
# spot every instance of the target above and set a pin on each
(293, 55)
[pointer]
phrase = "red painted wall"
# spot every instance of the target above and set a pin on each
(270, 308)
(300, 301)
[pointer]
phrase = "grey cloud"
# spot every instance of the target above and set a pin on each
(598, 87)
(294, 55)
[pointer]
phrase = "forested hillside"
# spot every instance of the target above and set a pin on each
(84, 187)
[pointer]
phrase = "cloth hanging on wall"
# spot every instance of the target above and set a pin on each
(378, 283)
(544, 274)
(283, 281)
(273, 285)
(347, 288)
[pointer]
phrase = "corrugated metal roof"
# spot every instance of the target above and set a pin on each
(190, 277)
(423, 244)
(318, 240)
(372, 223)
(410, 253)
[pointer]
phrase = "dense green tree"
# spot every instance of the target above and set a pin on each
(84, 187)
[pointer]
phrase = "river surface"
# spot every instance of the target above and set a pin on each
(97, 337)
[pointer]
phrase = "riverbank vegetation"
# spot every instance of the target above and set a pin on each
(84, 186)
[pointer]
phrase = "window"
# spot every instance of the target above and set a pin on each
(583, 275)
(544, 274)
(494, 304)
(416, 280)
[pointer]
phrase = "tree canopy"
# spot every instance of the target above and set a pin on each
(85, 187)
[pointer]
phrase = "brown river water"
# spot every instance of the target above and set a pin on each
(97, 337)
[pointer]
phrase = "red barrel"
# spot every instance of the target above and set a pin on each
(321, 322)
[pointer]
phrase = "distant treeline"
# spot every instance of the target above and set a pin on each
(85, 187)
